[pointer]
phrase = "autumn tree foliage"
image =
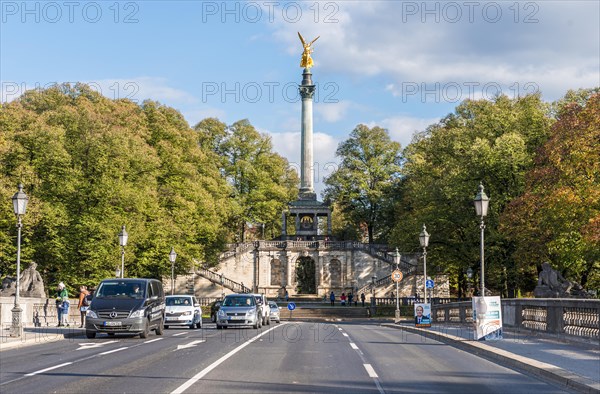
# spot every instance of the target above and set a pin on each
(557, 218)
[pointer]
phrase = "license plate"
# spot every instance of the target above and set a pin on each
(172, 318)
(112, 323)
(236, 317)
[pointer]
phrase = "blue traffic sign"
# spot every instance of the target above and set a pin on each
(291, 306)
(429, 284)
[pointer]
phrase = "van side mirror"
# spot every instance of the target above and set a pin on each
(196, 305)
(154, 298)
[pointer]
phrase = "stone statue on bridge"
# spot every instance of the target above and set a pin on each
(31, 284)
(551, 284)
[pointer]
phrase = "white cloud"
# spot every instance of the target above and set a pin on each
(402, 128)
(333, 112)
(553, 45)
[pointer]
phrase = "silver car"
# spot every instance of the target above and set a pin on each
(239, 310)
(183, 310)
(275, 311)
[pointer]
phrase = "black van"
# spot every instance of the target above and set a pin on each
(127, 306)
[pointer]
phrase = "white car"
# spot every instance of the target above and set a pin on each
(183, 310)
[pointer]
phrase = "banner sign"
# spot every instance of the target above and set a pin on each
(487, 318)
(422, 315)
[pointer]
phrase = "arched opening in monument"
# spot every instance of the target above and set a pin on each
(276, 272)
(305, 276)
(335, 273)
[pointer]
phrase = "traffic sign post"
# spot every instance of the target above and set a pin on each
(397, 277)
(429, 284)
(291, 306)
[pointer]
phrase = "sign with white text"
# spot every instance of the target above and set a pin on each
(487, 318)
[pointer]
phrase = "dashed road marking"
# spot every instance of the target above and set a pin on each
(370, 370)
(48, 369)
(114, 350)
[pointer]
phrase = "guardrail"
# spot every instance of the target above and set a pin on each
(580, 318)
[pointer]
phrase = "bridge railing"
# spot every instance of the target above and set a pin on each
(580, 318)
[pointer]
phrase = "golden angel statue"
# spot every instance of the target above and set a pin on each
(306, 61)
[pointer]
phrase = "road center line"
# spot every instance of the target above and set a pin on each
(154, 340)
(344, 334)
(370, 370)
(212, 366)
(48, 369)
(179, 333)
(114, 350)
(353, 345)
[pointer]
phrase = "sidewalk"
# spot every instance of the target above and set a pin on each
(38, 335)
(573, 364)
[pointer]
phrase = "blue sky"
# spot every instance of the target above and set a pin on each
(401, 65)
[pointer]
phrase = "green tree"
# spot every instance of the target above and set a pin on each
(370, 165)
(262, 181)
(482, 141)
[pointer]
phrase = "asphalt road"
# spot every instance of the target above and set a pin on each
(287, 357)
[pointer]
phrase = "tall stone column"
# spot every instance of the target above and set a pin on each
(307, 91)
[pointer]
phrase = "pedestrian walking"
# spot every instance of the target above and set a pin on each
(332, 298)
(62, 305)
(362, 298)
(350, 297)
(83, 303)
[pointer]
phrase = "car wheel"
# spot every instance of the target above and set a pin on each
(219, 327)
(166, 327)
(144, 334)
(90, 334)
(268, 320)
(213, 318)
(161, 327)
(199, 324)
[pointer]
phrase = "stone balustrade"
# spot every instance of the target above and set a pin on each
(576, 317)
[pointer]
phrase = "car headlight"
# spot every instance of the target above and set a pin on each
(251, 312)
(138, 313)
(91, 313)
(186, 313)
(221, 313)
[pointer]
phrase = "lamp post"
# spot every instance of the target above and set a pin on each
(373, 280)
(172, 258)
(481, 208)
(469, 276)
(424, 240)
(397, 261)
(123, 236)
(20, 201)
(222, 287)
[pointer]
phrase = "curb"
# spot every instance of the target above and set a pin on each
(40, 336)
(531, 366)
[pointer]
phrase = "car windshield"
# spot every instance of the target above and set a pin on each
(273, 305)
(258, 300)
(179, 301)
(239, 301)
(120, 289)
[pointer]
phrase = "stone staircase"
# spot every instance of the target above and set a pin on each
(312, 307)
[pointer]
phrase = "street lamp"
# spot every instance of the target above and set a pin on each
(481, 208)
(123, 236)
(20, 201)
(373, 279)
(172, 258)
(469, 276)
(424, 240)
(397, 261)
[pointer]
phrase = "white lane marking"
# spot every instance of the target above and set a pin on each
(340, 328)
(179, 333)
(214, 365)
(370, 370)
(154, 340)
(92, 345)
(191, 344)
(353, 345)
(344, 334)
(48, 369)
(114, 350)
